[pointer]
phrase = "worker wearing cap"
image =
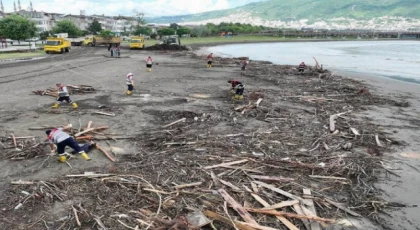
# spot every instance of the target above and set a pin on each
(238, 88)
(149, 64)
(59, 137)
(63, 95)
(210, 60)
(130, 83)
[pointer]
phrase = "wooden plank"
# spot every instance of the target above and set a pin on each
(226, 164)
(299, 210)
(230, 185)
(264, 203)
(89, 125)
(339, 206)
(328, 177)
(103, 113)
(232, 223)
(291, 215)
(238, 208)
(89, 130)
(188, 185)
(280, 191)
(175, 122)
(311, 206)
(282, 204)
(106, 153)
(271, 178)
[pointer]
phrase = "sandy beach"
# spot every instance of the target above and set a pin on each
(369, 162)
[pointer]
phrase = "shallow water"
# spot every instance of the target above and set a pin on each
(399, 60)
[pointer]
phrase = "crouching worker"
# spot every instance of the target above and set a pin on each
(59, 137)
(63, 95)
(302, 67)
(238, 88)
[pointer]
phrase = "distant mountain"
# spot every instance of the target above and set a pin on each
(329, 14)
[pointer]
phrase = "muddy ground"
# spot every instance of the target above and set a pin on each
(287, 136)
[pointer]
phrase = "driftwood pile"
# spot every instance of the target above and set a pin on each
(299, 160)
(21, 148)
(73, 89)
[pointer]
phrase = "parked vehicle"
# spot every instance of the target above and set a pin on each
(76, 41)
(32, 40)
(98, 40)
(57, 45)
(137, 42)
(10, 41)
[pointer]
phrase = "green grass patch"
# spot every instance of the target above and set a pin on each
(16, 55)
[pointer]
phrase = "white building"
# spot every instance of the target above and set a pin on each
(43, 21)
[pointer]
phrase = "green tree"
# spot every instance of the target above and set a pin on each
(201, 31)
(17, 27)
(183, 30)
(143, 30)
(166, 31)
(67, 26)
(106, 33)
(95, 27)
(174, 26)
(44, 35)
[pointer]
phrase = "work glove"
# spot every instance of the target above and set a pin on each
(70, 125)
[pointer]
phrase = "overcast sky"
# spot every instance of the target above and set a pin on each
(126, 7)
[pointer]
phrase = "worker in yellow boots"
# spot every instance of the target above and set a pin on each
(59, 137)
(149, 64)
(63, 95)
(130, 83)
(210, 60)
(238, 89)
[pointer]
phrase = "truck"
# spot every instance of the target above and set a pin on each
(171, 40)
(137, 42)
(76, 41)
(98, 40)
(57, 45)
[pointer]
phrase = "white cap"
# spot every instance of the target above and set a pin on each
(130, 74)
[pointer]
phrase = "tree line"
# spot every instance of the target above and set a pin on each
(20, 28)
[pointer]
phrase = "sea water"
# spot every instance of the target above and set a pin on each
(398, 60)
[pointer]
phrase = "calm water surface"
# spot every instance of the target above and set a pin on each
(394, 59)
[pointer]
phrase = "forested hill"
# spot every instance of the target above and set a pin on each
(313, 13)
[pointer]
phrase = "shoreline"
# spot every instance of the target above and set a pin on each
(204, 49)
(196, 47)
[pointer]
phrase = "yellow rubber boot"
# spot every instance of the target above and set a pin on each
(128, 92)
(62, 159)
(85, 156)
(56, 105)
(241, 97)
(236, 97)
(75, 106)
